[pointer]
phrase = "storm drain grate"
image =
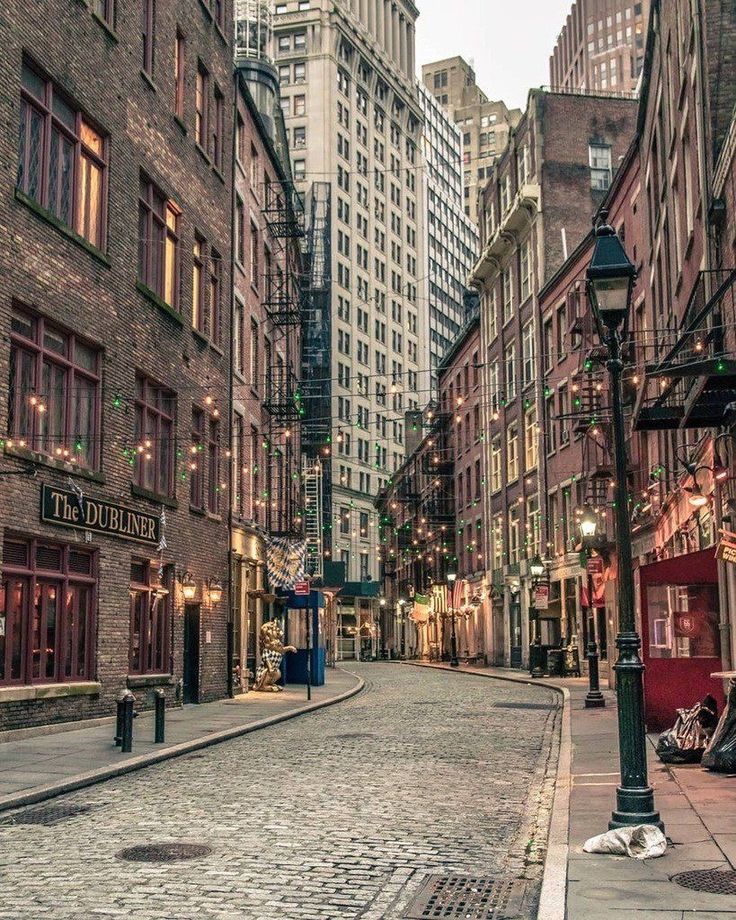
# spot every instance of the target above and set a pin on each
(46, 814)
(711, 881)
(164, 852)
(462, 897)
(546, 706)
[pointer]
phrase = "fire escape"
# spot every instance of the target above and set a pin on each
(283, 403)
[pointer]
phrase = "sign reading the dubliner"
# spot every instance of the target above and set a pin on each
(59, 506)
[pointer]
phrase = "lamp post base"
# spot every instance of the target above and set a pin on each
(635, 806)
(535, 661)
(594, 700)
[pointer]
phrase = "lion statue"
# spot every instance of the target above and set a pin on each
(272, 654)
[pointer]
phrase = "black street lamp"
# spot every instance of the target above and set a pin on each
(588, 525)
(536, 570)
(454, 663)
(610, 283)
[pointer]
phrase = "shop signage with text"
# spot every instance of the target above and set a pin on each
(726, 550)
(541, 597)
(59, 506)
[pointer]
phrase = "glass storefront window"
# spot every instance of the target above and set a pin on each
(683, 621)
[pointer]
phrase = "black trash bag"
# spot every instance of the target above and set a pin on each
(720, 755)
(689, 736)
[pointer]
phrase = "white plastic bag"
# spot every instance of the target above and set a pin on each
(643, 841)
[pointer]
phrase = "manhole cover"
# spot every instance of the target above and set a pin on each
(453, 897)
(712, 881)
(522, 706)
(353, 736)
(46, 814)
(164, 852)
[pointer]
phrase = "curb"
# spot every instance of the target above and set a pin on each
(93, 777)
(553, 897)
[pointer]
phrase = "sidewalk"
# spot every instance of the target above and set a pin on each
(48, 764)
(697, 807)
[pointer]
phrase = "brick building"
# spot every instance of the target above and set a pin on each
(115, 217)
(576, 431)
(266, 474)
(461, 399)
(548, 160)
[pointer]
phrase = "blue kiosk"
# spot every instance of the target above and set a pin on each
(304, 629)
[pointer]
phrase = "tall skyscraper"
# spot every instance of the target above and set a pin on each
(484, 123)
(600, 47)
(354, 120)
(451, 236)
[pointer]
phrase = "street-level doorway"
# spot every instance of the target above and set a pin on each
(192, 616)
(515, 632)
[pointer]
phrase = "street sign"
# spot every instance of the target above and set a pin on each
(541, 597)
(726, 549)
(594, 565)
(301, 588)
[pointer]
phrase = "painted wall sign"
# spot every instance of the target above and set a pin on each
(59, 506)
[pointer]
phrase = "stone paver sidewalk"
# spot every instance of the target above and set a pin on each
(43, 765)
(697, 807)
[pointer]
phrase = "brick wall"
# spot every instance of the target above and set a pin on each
(95, 295)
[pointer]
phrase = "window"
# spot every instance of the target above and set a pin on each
(158, 243)
(514, 543)
(530, 438)
(300, 105)
(150, 620)
(509, 360)
(179, 75)
(300, 138)
(213, 466)
(534, 525)
(600, 166)
(496, 481)
(507, 285)
(512, 452)
(344, 520)
(238, 337)
(564, 414)
(494, 387)
(62, 159)
(300, 169)
(255, 252)
(148, 30)
(213, 306)
(202, 106)
(105, 9)
(364, 567)
(155, 409)
(683, 621)
(497, 541)
(54, 390)
(47, 613)
(218, 129)
(300, 73)
(527, 356)
(525, 269)
(239, 230)
(198, 283)
(196, 471)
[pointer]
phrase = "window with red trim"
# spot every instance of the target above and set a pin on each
(62, 158)
(150, 620)
(47, 613)
(54, 392)
(158, 242)
(213, 466)
(155, 412)
(196, 465)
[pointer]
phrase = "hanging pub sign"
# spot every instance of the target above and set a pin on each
(726, 550)
(72, 509)
(541, 597)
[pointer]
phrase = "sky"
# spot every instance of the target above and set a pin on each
(508, 41)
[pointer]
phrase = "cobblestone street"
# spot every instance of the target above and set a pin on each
(337, 814)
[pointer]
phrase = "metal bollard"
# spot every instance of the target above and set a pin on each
(126, 703)
(120, 708)
(160, 714)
